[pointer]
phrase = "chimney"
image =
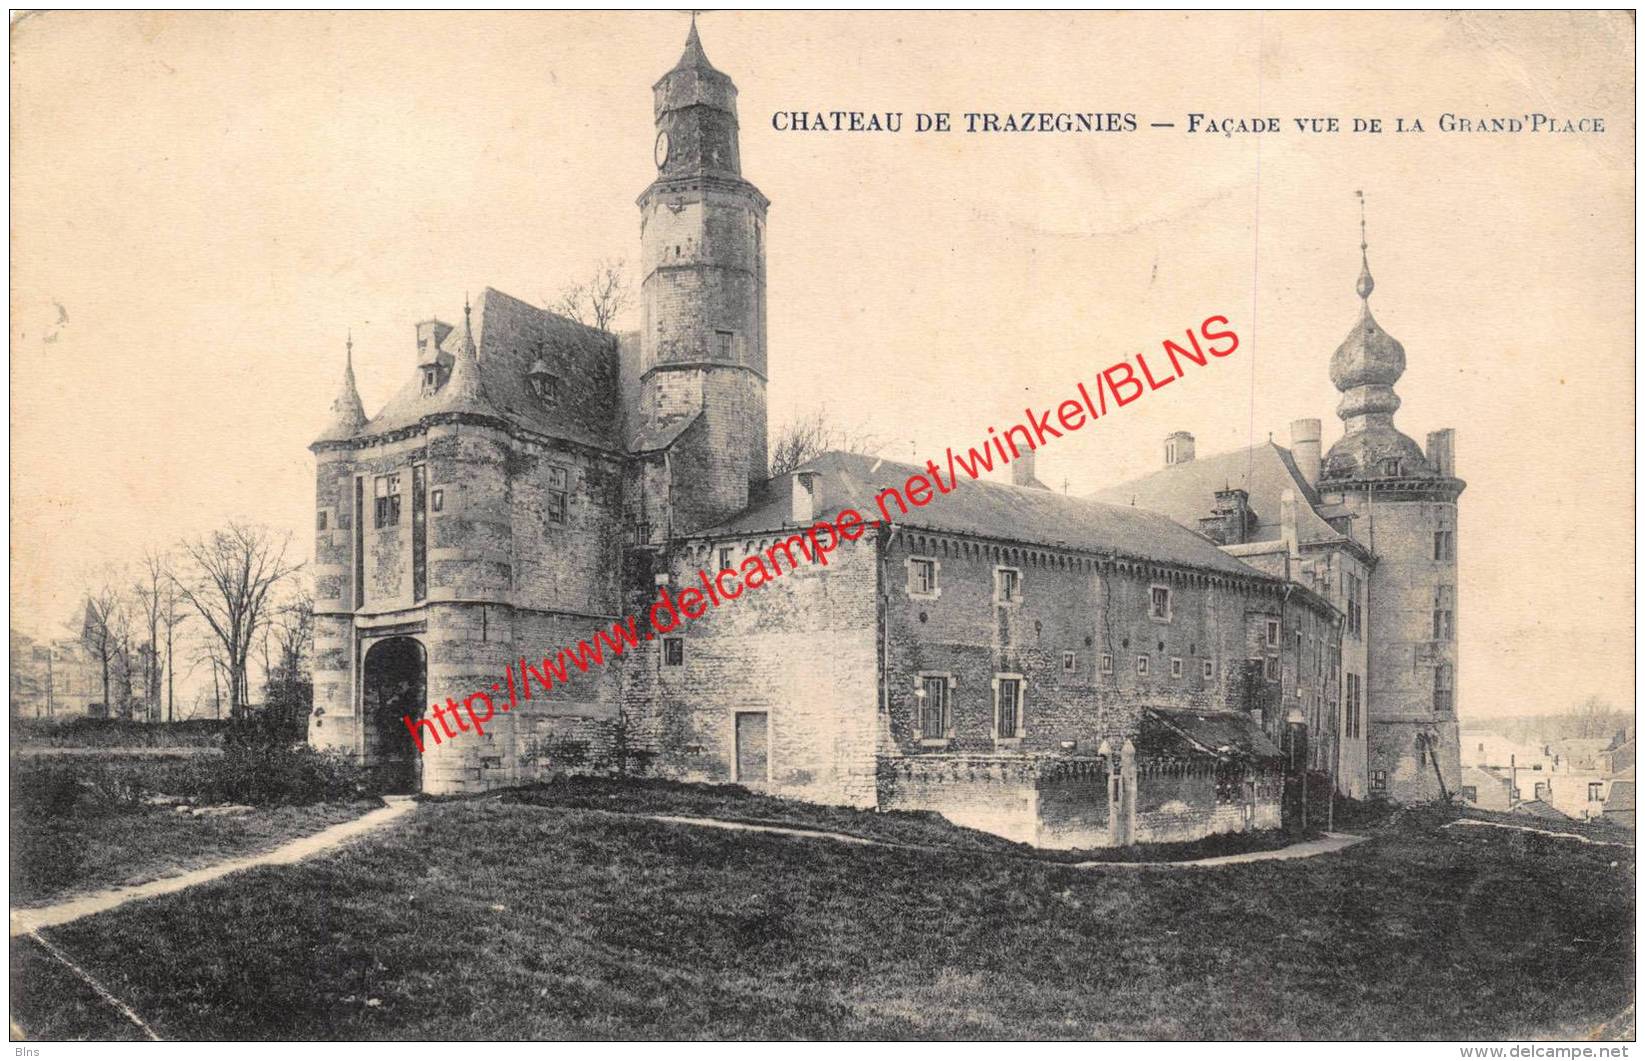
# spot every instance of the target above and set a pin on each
(1022, 471)
(803, 497)
(1441, 451)
(1231, 521)
(1305, 449)
(1288, 521)
(1179, 448)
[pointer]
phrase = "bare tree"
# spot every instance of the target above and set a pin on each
(803, 437)
(232, 574)
(1593, 718)
(103, 629)
(173, 613)
(149, 592)
(600, 299)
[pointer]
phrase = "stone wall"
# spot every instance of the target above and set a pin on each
(801, 649)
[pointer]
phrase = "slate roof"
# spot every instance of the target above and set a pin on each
(991, 510)
(1187, 491)
(1201, 734)
(507, 333)
(1621, 796)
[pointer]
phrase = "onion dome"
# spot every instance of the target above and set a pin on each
(348, 416)
(1365, 368)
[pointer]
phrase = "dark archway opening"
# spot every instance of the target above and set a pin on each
(395, 681)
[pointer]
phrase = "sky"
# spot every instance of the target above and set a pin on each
(205, 204)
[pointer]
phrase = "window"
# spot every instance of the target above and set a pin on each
(1444, 628)
(1270, 668)
(1596, 790)
(1354, 713)
(1355, 615)
(1470, 794)
(1445, 545)
(321, 522)
(922, 576)
(673, 651)
(1422, 754)
(1107, 666)
(388, 501)
(1142, 665)
(439, 500)
(725, 557)
(722, 345)
(1007, 585)
(640, 532)
(1273, 633)
(1176, 666)
(554, 496)
(1207, 670)
(431, 380)
(1070, 662)
(933, 698)
(1007, 708)
(1159, 603)
(545, 386)
(1442, 687)
(1540, 791)
(1379, 782)
(419, 532)
(1390, 466)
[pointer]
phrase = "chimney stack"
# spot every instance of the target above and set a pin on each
(803, 505)
(1179, 448)
(1022, 471)
(1288, 521)
(1305, 449)
(1441, 451)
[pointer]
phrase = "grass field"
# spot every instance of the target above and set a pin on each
(500, 919)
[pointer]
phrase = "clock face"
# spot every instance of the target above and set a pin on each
(661, 151)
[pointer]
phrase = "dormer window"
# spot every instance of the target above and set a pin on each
(1390, 466)
(544, 384)
(431, 380)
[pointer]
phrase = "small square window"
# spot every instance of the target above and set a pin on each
(722, 345)
(439, 500)
(320, 524)
(1107, 663)
(1070, 662)
(673, 651)
(1207, 671)
(1176, 666)
(1007, 585)
(1142, 664)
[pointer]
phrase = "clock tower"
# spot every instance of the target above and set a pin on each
(702, 347)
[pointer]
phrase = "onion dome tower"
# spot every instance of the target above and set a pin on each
(1402, 504)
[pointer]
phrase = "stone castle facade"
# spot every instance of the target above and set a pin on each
(1064, 671)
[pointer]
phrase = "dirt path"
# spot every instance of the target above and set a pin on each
(1305, 849)
(1540, 832)
(28, 921)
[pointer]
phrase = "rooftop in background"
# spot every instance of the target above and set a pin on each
(990, 510)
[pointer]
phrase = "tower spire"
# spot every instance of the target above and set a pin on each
(465, 391)
(348, 415)
(1365, 285)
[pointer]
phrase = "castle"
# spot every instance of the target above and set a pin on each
(1063, 671)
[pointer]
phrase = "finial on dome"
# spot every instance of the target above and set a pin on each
(1365, 285)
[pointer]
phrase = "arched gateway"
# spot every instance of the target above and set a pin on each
(394, 679)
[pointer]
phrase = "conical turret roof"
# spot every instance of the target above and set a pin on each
(465, 391)
(348, 415)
